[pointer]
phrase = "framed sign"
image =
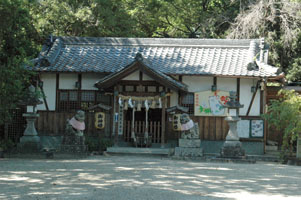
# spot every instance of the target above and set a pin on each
(209, 103)
(256, 128)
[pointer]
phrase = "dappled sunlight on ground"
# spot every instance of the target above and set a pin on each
(129, 177)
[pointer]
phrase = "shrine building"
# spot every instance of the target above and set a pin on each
(139, 85)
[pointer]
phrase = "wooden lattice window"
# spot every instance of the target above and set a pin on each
(188, 101)
(72, 100)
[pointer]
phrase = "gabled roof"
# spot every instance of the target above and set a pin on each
(146, 67)
(219, 57)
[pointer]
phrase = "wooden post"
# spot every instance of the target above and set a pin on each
(133, 126)
(114, 132)
(163, 123)
(252, 100)
(146, 124)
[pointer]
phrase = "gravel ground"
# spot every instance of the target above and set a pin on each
(134, 177)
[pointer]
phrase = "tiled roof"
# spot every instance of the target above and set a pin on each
(224, 57)
(144, 63)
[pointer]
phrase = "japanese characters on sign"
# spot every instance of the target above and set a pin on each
(209, 103)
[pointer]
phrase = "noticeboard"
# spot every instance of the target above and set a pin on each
(209, 103)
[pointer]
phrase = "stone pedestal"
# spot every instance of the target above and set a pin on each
(30, 141)
(73, 144)
(232, 146)
(189, 148)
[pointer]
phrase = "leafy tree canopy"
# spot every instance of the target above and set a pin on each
(18, 40)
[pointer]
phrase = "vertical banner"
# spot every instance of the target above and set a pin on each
(209, 103)
(120, 119)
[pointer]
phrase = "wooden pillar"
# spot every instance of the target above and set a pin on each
(114, 132)
(146, 123)
(133, 126)
(163, 123)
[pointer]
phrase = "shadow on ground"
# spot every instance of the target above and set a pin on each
(129, 177)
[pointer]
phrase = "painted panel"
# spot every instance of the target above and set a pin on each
(226, 84)
(246, 97)
(89, 79)
(67, 81)
(49, 87)
(132, 77)
(208, 103)
(198, 83)
(174, 98)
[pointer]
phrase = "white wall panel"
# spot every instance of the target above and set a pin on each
(226, 84)
(89, 79)
(49, 87)
(174, 98)
(246, 97)
(132, 77)
(67, 81)
(198, 83)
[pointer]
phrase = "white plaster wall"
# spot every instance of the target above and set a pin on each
(146, 78)
(246, 97)
(198, 83)
(49, 87)
(132, 77)
(89, 79)
(226, 84)
(67, 81)
(174, 98)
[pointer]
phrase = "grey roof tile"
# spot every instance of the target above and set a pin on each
(222, 57)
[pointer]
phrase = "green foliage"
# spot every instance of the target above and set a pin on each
(17, 41)
(285, 115)
(6, 145)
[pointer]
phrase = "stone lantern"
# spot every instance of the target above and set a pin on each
(232, 146)
(30, 141)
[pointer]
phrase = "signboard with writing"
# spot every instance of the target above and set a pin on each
(208, 103)
(257, 128)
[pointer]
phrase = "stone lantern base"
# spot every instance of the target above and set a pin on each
(232, 149)
(30, 142)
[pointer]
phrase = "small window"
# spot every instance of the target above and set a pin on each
(188, 102)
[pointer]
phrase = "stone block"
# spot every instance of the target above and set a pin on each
(188, 152)
(191, 143)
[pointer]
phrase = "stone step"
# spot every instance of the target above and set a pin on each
(144, 151)
(271, 148)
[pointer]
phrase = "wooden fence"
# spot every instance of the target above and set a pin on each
(154, 129)
(54, 123)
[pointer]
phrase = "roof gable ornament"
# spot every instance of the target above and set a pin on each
(139, 57)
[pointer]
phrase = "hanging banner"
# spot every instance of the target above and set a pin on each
(209, 103)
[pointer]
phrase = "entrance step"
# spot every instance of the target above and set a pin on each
(137, 151)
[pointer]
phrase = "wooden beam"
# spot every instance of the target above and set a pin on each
(238, 89)
(252, 100)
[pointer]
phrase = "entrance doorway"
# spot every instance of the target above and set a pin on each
(154, 123)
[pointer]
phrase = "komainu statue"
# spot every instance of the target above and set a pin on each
(189, 129)
(74, 134)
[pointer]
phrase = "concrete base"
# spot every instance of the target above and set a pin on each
(188, 152)
(232, 149)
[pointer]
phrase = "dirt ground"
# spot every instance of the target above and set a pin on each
(134, 177)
